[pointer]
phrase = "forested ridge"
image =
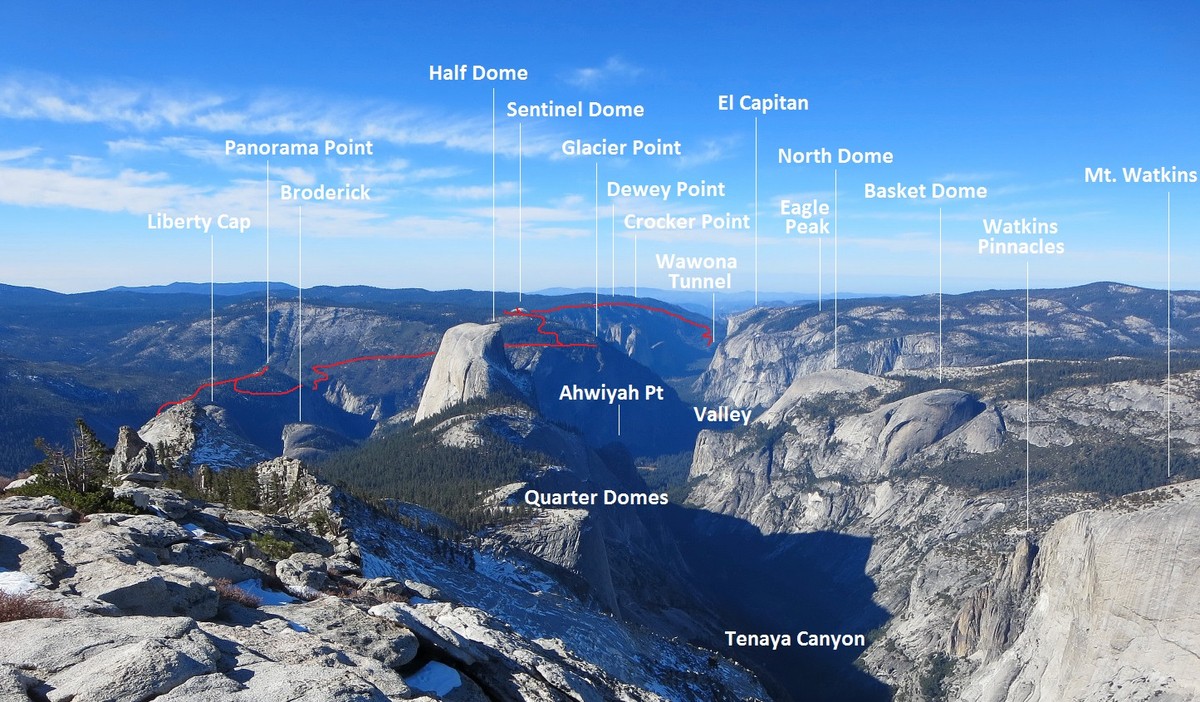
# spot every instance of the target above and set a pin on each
(412, 464)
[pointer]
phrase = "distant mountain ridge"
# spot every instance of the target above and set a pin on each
(205, 288)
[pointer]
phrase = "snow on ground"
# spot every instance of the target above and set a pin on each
(436, 678)
(516, 575)
(267, 597)
(16, 583)
(508, 606)
(196, 530)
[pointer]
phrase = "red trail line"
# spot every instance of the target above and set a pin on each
(319, 369)
(706, 331)
(540, 315)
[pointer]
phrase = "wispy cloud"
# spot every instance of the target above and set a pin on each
(81, 184)
(472, 192)
(130, 191)
(18, 154)
(614, 70)
(146, 109)
(704, 151)
(981, 177)
(396, 171)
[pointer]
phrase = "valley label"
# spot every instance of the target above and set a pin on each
(722, 414)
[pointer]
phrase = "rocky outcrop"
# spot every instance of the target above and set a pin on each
(620, 557)
(187, 437)
(287, 487)
(824, 387)
(877, 443)
(795, 466)
(1135, 409)
(143, 607)
(309, 442)
(133, 459)
(989, 619)
(303, 574)
(382, 639)
(573, 539)
(107, 658)
(1116, 615)
(470, 364)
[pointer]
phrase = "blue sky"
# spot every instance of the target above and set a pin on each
(109, 113)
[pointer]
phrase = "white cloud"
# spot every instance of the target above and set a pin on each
(700, 152)
(18, 154)
(139, 193)
(530, 214)
(472, 192)
(396, 171)
(146, 109)
(294, 176)
(130, 191)
(977, 178)
(613, 70)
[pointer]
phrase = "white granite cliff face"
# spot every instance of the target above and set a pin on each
(763, 350)
(1117, 613)
(1077, 609)
(470, 364)
(800, 470)
(756, 364)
